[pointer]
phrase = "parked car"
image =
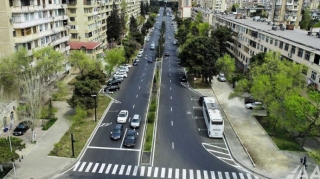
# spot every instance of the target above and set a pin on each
(127, 65)
(150, 60)
(222, 77)
(114, 82)
(22, 127)
(122, 116)
(117, 132)
(112, 88)
(137, 60)
(249, 100)
(130, 139)
(139, 54)
(174, 42)
(255, 105)
(200, 101)
(167, 54)
(118, 74)
(135, 122)
(124, 68)
(116, 78)
(183, 78)
(135, 63)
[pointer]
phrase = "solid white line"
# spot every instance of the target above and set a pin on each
(227, 175)
(121, 169)
(241, 175)
(184, 174)
(227, 159)
(191, 174)
(88, 167)
(133, 106)
(82, 166)
(137, 96)
(142, 171)
(198, 174)
(101, 168)
(205, 174)
(220, 175)
(170, 173)
(171, 108)
(95, 168)
(163, 172)
(177, 174)
(128, 170)
(213, 176)
(114, 171)
(76, 166)
(234, 175)
(149, 171)
(123, 137)
(110, 148)
(108, 168)
(217, 152)
(172, 145)
(171, 123)
(249, 176)
(135, 170)
(155, 174)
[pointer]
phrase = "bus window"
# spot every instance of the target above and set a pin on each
(216, 122)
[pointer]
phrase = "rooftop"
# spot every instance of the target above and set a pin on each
(297, 35)
(86, 45)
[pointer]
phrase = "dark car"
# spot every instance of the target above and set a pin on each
(167, 54)
(131, 137)
(201, 100)
(112, 88)
(249, 100)
(117, 132)
(135, 63)
(150, 60)
(22, 127)
(113, 82)
(183, 78)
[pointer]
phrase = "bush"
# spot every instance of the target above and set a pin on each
(73, 81)
(61, 93)
(49, 124)
(151, 117)
(80, 115)
(153, 106)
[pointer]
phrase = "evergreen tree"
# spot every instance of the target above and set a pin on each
(142, 9)
(123, 18)
(147, 7)
(233, 8)
(133, 25)
(114, 26)
(305, 22)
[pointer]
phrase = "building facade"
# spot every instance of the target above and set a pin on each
(286, 11)
(33, 24)
(184, 10)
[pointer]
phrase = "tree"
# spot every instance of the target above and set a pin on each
(147, 7)
(6, 155)
(114, 25)
(305, 22)
(130, 47)
(113, 57)
(133, 25)
(81, 61)
(123, 18)
(94, 74)
(199, 57)
(258, 59)
(226, 64)
(233, 9)
(222, 35)
(204, 29)
(181, 35)
(198, 18)
(142, 9)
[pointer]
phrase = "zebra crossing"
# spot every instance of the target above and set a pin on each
(157, 172)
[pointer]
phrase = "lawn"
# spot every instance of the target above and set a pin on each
(280, 137)
(81, 131)
(149, 137)
(197, 84)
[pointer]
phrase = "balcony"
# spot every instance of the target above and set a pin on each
(278, 3)
(20, 22)
(60, 40)
(72, 3)
(39, 35)
(36, 8)
(289, 3)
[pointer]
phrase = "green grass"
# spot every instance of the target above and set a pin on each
(73, 81)
(197, 84)
(149, 137)
(49, 123)
(280, 137)
(81, 131)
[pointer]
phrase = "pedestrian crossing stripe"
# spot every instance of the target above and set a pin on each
(157, 172)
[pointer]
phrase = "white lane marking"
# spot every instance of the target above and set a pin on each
(170, 88)
(169, 69)
(95, 168)
(143, 73)
(114, 171)
(184, 173)
(198, 174)
(234, 175)
(249, 176)
(177, 174)
(128, 170)
(170, 97)
(191, 174)
(213, 176)
(145, 68)
(82, 166)
(227, 175)
(220, 175)
(129, 119)
(141, 80)
(170, 81)
(139, 87)
(241, 175)
(76, 166)
(135, 171)
(172, 145)
(142, 171)
(108, 168)
(121, 169)
(123, 137)
(101, 168)
(149, 171)
(136, 96)
(170, 74)
(133, 106)
(88, 167)
(110, 148)
(171, 123)
(155, 174)
(163, 172)
(171, 108)
(205, 174)
(170, 173)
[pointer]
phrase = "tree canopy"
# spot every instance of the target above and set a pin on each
(5, 152)
(114, 57)
(81, 60)
(222, 35)
(114, 25)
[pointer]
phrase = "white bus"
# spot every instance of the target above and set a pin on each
(212, 118)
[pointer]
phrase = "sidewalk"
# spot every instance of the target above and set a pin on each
(241, 127)
(35, 162)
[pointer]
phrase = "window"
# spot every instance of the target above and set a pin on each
(267, 39)
(73, 10)
(72, 19)
(72, 27)
(43, 41)
(286, 47)
(281, 45)
(258, 46)
(262, 37)
(74, 36)
(265, 49)
(36, 43)
(307, 56)
(47, 39)
(34, 29)
(40, 28)
(31, 16)
(300, 52)
(271, 41)
(293, 49)
(276, 43)
(313, 75)
(22, 32)
(26, 17)
(29, 45)
(14, 33)
(261, 48)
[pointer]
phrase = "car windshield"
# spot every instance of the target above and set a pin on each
(122, 115)
(116, 131)
(221, 74)
(20, 126)
(130, 137)
(135, 120)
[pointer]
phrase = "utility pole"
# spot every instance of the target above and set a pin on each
(72, 146)
(95, 107)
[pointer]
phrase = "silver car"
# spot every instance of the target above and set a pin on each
(135, 122)
(222, 77)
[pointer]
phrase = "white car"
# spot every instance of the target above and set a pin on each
(121, 70)
(123, 75)
(122, 116)
(127, 65)
(139, 54)
(255, 105)
(124, 68)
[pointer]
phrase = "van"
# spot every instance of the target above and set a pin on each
(152, 46)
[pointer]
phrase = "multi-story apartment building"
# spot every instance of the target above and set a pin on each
(287, 11)
(33, 24)
(251, 37)
(88, 19)
(184, 9)
(215, 5)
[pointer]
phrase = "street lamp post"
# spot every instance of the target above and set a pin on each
(194, 86)
(95, 107)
